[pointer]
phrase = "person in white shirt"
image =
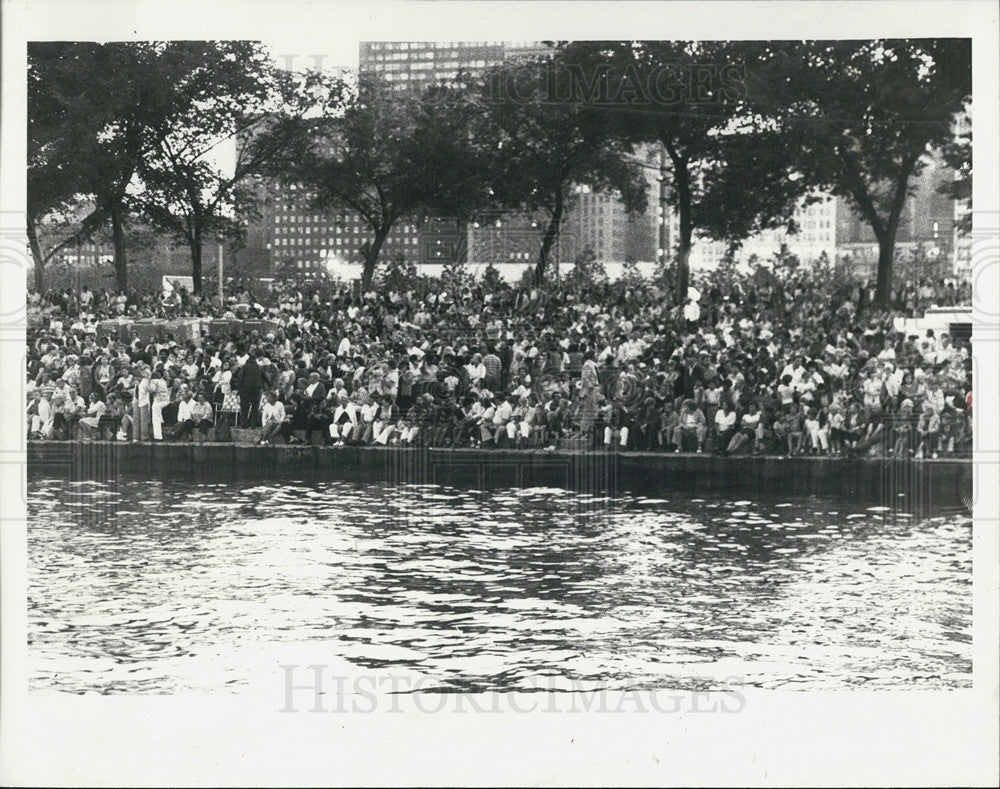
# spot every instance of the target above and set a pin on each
(272, 418)
(485, 419)
(189, 368)
(159, 395)
(192, 413)
(725, 425)
(819, 435)
(364, 429)
(520, 390)
(476, 370)
(893, 380)
(945, 351)
(382, 424)
(928, 347)
(526, 417)
(41, 414)
(75, 407)
(345, 416)
(747, 434)
(502, 416)
(871, 389)
(92, 421)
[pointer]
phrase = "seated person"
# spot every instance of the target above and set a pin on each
(691, 425)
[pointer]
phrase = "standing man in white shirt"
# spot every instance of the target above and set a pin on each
(159, 395)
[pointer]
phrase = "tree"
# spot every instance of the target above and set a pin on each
(685, 102)
(490, 279)
(539, 150)
(97, 113)
(64, 113)
(187, 191)
(94, 111)
(587, 270)
(866, 114)
(388, 155)
(54, 231)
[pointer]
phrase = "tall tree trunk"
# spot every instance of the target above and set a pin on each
(551, 234)
(118, 238)
(887, 243)
(371, 252)
(885, 233)
(36, 256)
(194, 242)
(684, 243)
(886, 252)
(682, 187)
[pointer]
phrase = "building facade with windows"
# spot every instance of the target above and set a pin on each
(302, 240)
(323, 243)
(595, 221)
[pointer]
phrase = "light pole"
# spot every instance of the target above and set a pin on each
(221, 300)
(79, 258)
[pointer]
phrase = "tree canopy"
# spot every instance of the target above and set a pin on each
(865, 115)
(740, 134)
(387, 155)
(538, 146)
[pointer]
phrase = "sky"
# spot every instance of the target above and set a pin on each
(334, 54)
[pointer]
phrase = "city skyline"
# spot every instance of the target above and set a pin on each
(291, 236)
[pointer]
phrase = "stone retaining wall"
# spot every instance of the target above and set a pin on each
(903, 483)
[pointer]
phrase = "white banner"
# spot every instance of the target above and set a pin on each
(173, 282)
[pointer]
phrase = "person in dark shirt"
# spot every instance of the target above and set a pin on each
(250, 382)
(506, 354)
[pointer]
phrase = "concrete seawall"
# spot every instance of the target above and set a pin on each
(901, 484)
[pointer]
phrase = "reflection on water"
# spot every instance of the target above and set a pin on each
(164, 587)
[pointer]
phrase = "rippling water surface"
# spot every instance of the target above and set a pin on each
(156, 587)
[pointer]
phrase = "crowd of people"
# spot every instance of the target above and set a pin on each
(796, 362)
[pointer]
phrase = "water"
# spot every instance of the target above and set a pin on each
(151, 587)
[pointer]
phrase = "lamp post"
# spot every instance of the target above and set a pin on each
(79, 258)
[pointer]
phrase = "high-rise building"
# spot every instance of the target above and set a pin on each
(595, 221)
(410, 66)
(309, 242)
(414, 65)
(317, 243)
